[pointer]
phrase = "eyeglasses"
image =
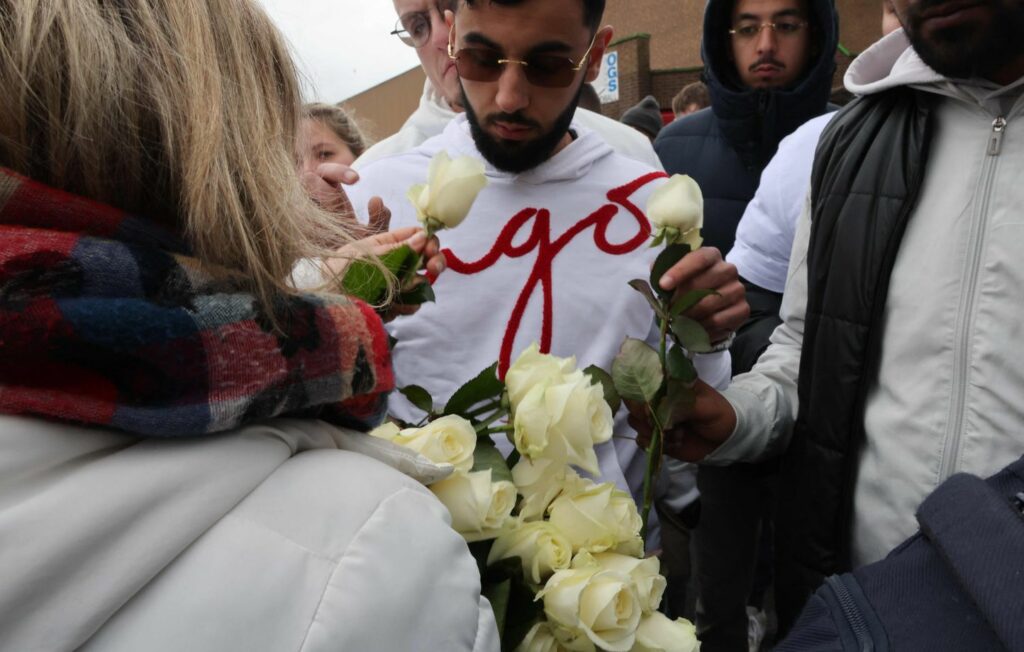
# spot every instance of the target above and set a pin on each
(484, 64)
(414, 28)
(783, 28)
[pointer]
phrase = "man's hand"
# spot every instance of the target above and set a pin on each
(722, 314)
(710, 422)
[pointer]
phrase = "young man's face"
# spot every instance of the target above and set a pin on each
(425, 18)
(965, 38)
(767, 57)
(519, 114)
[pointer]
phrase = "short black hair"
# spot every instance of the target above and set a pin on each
(593, 10)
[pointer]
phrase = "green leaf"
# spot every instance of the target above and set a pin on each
(689, 300)
(636, 371)
(691, 335)
(486, 385)
(364, 281)
(645, 289)
(679, 366)
(611, 396)
(665, 260)
(419, 397)
(677, 404)
(487, 456)
(368, 282)
(421, 292)
(498, 595)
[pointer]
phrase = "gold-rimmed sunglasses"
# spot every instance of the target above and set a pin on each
(483, 64)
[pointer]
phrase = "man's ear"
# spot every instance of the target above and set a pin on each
(601, 41)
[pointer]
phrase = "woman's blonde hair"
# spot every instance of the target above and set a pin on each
(341, 122)
(183, 111)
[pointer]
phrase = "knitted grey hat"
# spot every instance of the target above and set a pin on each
(644, 116)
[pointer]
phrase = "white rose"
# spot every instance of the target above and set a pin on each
(644, 573)
(677, 209)
(539, 482)
(534, 368)
(541, 549)
(387, 430)
(451, 188)
(562, 421)
(450, 439)
(656, 633)
(599, 518)
(540, 638)
(478, 507)
(600, 604)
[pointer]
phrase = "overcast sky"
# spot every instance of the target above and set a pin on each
(342, 47)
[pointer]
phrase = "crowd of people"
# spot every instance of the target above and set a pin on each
(184, 384)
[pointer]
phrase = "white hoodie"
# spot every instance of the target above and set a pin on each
(592, 308)
(947, 397)
(434, 114)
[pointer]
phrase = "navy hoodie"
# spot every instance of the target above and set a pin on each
(726, 146)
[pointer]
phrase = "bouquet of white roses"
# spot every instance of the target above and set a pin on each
(561, 556)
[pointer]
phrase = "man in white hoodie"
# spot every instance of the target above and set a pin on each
(899, 359)
(551, 243)
(421, 26)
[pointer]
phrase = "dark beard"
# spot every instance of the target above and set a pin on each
(969, 50)
(518, 156)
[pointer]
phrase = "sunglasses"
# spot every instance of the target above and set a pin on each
(483, 64)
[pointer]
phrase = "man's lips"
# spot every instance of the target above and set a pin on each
(953, 13)
(511, 130)
(949, 8)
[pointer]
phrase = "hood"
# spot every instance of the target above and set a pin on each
(572, 163)
(888, 63)
(752, 120)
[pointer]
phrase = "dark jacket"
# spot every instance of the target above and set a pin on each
(868, 172)
(725, 147)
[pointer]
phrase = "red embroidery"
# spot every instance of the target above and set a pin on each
(547, 251)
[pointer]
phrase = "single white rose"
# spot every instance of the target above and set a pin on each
(451, 188)
(676, 208)
(599, 603)
(644, 573)
(478, 507)
(539, 482)
(657, 633)
(450, 439)
(387, 430)
(563, 421)
(541, 549)
(541, 638)
(534, 368)
(598, 519)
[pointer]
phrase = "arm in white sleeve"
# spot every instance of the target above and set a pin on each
(765, 398)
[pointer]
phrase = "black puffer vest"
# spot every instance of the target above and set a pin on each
(868, 170)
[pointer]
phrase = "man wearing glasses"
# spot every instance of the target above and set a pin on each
(421, 25)
(768, 65)
(549, 247)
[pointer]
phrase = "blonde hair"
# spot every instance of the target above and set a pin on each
(185, 112)
(341, 122)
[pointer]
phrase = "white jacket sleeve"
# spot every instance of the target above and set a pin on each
(765, 398)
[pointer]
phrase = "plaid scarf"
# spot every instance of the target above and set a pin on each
(106, 319)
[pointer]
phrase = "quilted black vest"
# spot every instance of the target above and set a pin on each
(868, 170)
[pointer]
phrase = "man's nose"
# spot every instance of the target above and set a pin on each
(767, 40)
(438, 30)
(513, 88)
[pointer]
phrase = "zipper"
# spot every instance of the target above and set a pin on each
(852, 613)
(965, 312)
(995, 141)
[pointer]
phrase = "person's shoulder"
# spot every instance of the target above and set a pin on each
(806, 135)
(697, 124)
(622, 138)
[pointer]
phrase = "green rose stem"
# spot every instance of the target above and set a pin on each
(485, 424)
(654, 450)
(430, 228)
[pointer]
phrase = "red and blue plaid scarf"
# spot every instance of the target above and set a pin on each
(106, 319)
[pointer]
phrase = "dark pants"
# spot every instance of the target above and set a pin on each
(736, 502)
